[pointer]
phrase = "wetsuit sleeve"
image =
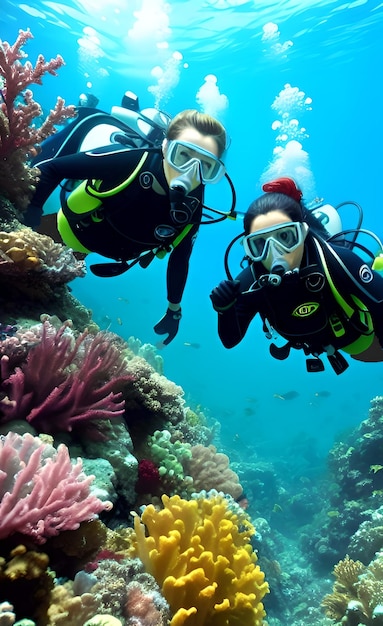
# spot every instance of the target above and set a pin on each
(361, 281)
(111, 164)
(178, 266)
(234, 321)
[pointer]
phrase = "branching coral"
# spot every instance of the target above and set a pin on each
(357, 595)
(200, 554)
(82, 383)
(18, 137)
(41, 492)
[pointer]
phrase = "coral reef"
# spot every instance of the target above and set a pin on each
(357, 596)
(125, 591)
(24, 250)
(18, 109)
(68, 609)
(26, 582)
(42, 493)
(354, 491)
(170, 458)
(83, 383)
(151, 402)
(210, 469)
(200, 554)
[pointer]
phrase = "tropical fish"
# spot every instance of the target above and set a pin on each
(188, 344)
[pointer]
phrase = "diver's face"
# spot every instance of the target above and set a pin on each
(189, 135)
(270, 219)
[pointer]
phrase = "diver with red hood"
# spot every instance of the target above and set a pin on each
(310, 288)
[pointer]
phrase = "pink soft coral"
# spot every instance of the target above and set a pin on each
(65, 383)
(41, 492)
(18, 137)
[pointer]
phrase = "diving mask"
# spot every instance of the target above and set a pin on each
(279, 240)
(183, 157)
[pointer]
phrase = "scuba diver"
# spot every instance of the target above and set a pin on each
(308, 287)
(134, 190)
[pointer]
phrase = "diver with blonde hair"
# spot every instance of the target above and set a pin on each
(136, 203)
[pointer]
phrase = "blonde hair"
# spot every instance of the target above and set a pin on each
(203, 122)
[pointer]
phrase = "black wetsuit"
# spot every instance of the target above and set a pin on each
(128, 218)
(299, 310)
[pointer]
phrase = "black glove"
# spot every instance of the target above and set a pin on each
(168, 324)
(225, 295)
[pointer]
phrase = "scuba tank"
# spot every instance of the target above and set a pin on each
(126, 126)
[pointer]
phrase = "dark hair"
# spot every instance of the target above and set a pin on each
(203, 122)
(296, 211)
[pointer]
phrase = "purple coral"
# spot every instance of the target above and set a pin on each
(41, 492)
(65, 384)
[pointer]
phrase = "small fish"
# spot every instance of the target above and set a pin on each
(192, 345)
(376, 468)
(277, 508)
(289, 395)
(322, 394)
(119, 321)
(333, 513)
(368, 435)
(124, 300)
(248, 411)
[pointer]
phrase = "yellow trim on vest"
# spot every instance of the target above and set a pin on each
(85, 199)
(111, 192)
(365, 340)
(67, 235)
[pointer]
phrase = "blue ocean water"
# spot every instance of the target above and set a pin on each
(256, 65)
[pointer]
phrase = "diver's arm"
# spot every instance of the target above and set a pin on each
(234, 320)
(177, 272)
(366, 284)
(178, 268)
(110, 164)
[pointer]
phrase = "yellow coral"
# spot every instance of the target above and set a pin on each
(199, 552)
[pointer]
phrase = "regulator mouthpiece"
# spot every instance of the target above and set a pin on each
(184, 182)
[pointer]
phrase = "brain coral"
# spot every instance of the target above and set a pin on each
(199, 552)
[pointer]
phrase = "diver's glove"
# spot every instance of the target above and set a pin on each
(225, 295)
(168, 324)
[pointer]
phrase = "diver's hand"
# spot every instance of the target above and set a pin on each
(225, 295)
(168, 324)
